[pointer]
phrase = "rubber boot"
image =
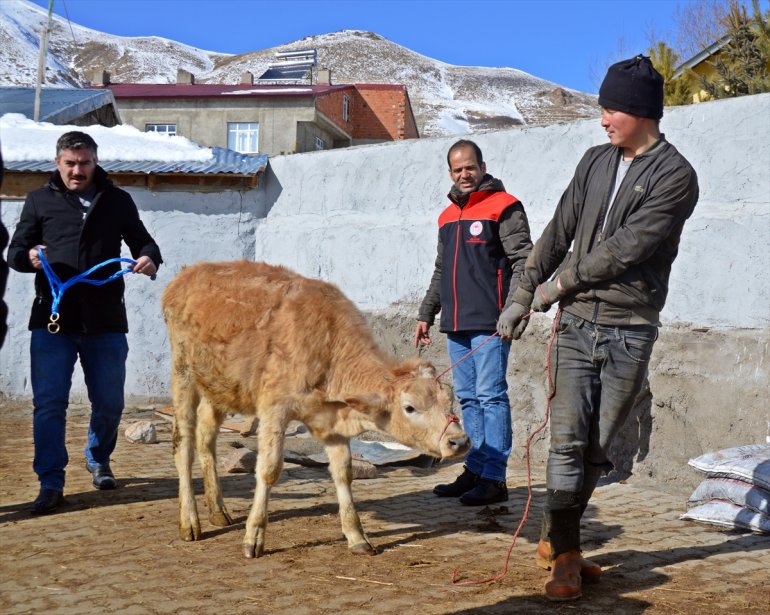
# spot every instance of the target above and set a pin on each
(565, 582)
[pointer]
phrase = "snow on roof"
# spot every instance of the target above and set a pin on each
(297, 90)
(26, 140)
(213, 90)
(57, 105)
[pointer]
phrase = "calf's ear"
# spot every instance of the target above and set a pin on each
(417, 368)
(367, 401)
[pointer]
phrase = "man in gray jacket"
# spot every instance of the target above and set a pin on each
(623, 214)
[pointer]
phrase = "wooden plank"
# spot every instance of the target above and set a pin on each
(17, 184)
(245, 426)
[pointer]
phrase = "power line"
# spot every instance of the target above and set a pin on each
(67, 15)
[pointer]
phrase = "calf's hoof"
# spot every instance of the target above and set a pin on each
(253, 551)
(189, 534)
(221, 518)
(363, 548)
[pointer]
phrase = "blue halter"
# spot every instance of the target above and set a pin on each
(58, 287)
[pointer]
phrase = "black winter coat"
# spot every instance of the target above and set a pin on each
(75, 241)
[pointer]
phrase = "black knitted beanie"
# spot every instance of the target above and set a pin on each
(633, 86)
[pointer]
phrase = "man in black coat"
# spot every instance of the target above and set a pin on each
(79, 218)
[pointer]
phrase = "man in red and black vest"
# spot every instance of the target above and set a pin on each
(483, 243)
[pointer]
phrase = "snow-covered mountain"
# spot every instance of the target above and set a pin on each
(446, 99)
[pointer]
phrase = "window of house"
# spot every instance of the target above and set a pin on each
(345, 108)
(320, 143)
(243, 137)
(164, 129)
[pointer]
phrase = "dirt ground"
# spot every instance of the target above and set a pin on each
(118, 551)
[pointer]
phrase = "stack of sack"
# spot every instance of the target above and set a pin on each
(736, 492)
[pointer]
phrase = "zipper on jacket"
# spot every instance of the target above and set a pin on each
(606, 207)
(499, 289)
(454, 267)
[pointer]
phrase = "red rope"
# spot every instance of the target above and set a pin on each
(470, 352)
(551, 392)
(465, 356)
(450, 418)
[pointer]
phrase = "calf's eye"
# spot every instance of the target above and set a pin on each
(409, 409)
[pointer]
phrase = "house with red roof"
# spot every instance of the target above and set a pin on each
(267, 118)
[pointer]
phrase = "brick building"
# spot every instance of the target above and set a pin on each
(267, 118)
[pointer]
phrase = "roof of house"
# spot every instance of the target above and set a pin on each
(701, 56)
(57, 105)
(212, 90)
(215, 90)
(223, 161)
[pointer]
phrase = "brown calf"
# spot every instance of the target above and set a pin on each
(257, 339)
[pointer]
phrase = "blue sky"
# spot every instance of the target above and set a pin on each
(565, 41)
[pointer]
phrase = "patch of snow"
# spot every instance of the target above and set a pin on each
(268, 91)
(26, 140)
(451, 124)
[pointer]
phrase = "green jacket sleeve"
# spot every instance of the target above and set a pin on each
(670, 202)
(516, 240)
(554, 244)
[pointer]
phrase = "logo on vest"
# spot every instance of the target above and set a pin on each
(476, 228)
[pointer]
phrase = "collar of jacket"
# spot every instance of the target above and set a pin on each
(101, 181)
(488, 184)
(653, 150)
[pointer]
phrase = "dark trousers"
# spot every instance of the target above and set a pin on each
(598, 372)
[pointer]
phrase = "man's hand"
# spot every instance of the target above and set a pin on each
(546, 295)
(422, 334)
(145, 265)
(513, 321)
(34, 257)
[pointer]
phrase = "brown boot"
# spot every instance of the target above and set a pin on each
(565, 577)
(589, 571)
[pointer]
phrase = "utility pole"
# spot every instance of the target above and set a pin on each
(41, 60)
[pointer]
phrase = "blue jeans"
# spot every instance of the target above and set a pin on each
(103, 358)
(482, 391)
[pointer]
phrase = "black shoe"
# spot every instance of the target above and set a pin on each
(485, 492)
(48, 500)
(103, 476)
(465, 482)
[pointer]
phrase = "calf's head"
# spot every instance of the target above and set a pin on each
(417, 411)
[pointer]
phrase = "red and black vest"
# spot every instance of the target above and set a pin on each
(475, 273)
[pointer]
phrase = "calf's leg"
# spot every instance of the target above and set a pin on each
(185, 403)
(206, 433)
(272, 425)
(338, 450)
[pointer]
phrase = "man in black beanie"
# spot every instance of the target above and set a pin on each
(623, 214)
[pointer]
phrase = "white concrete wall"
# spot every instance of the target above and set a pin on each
(365, 219)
